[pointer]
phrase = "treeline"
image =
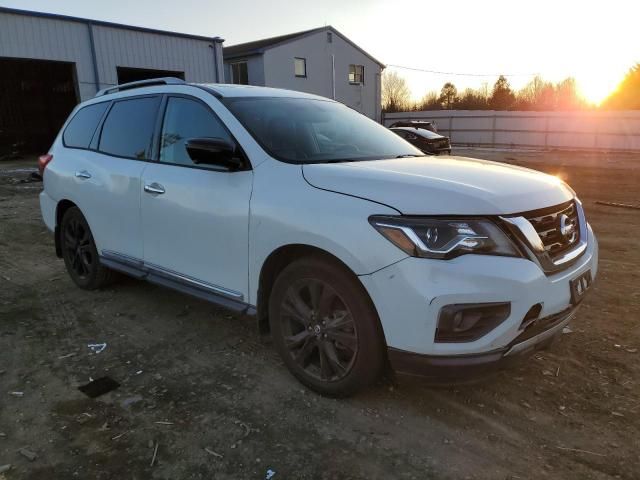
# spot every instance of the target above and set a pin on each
(538, 94)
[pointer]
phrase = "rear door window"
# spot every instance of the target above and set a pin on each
(128, 129)
(83, 125)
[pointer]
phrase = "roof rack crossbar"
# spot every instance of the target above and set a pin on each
(141, 83)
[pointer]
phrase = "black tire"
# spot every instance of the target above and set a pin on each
(80, 254)
(338, 349)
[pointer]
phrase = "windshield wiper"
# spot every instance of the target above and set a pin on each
(338, 160)
(410, 155)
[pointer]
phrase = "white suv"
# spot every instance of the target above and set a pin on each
(350, 246)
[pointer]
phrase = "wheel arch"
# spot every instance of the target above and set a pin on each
(277, 261)
(61, 208)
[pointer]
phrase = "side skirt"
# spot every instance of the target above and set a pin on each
(137, 269)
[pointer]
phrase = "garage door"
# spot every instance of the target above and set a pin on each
(36, 96)
(127, 74)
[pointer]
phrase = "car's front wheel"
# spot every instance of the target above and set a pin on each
(325, 327)
(80, 253)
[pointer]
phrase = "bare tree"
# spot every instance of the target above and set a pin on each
(430, 101)
(567, 96)
(538, 94)
(396, 96)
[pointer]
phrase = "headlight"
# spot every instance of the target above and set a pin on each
(444, 238)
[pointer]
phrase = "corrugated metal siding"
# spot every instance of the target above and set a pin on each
(128, 48)
(22, 36)
(597, 130)
(25, 36)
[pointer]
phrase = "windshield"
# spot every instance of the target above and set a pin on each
(302, 130)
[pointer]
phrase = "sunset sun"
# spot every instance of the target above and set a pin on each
(595, 88)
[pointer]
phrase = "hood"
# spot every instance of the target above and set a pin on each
(442, 185)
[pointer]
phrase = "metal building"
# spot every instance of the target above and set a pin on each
(321, 61)
(48, 63)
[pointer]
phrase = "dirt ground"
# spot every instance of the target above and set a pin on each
(198, 385)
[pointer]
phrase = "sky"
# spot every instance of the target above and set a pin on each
(594, 41)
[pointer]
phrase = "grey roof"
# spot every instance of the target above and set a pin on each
(257, 47)
(31, 13)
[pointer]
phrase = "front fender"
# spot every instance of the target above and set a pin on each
(286, 210)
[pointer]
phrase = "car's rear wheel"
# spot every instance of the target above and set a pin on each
(80, 254)
(325, 327)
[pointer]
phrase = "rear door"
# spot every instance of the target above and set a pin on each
(195, 218)
(109, 179)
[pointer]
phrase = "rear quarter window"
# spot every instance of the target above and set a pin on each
(83, 125)
(128, 129)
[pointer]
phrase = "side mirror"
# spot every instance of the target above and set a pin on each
(213, 151)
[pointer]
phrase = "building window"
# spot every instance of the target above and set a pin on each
(239, 73)
(356, 74)
(300, 67)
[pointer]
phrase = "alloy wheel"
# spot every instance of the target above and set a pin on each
(77, 242)
(319, 330)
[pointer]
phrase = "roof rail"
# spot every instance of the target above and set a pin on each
(141, 83)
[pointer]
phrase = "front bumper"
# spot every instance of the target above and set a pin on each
(409, 295)
(48, 209)
(451, 368)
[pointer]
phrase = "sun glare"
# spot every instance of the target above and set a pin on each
(595, 89)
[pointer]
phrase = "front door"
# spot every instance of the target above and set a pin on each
(195, 218)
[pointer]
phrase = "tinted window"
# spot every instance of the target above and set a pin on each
(128, 128)
(83, 124)
(400, 133)
(304, 130)
(427, 134)
(185, 119)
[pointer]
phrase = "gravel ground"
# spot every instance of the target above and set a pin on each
(201, 393)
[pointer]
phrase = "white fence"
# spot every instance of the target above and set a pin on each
(619, 130)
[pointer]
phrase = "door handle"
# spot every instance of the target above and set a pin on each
(83, 174)
(154, 188)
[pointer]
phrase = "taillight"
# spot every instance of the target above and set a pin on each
(43, 161)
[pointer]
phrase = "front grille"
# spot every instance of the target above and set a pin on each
(558, 227)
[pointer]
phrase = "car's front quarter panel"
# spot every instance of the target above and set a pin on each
(410, 294)
(286, 210)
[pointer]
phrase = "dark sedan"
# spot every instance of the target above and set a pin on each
(426, 140)
(427, 125)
